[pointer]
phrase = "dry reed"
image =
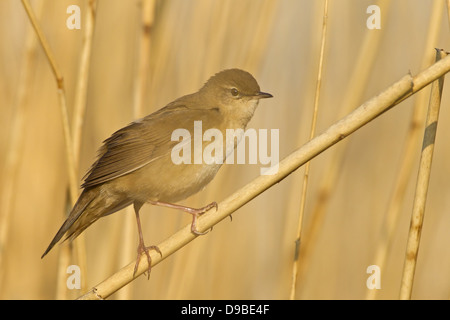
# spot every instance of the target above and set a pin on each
(69, 148)
(72, 138)
(392, 215)
(422, 183)
(14, 149)
(306, 173)
(358, 81)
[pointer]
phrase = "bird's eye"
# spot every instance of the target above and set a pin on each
(234, 92)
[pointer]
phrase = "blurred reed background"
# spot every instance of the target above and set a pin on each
(133, 73)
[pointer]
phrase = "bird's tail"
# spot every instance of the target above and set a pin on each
(86, 197)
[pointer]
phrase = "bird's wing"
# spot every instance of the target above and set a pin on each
(144, 141)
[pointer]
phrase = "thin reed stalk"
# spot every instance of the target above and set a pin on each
(15, 144)
(389, 224)
(72, 169)
(355, 89)
(78, 120)
(83, 77)
(307, 165)
(72, 149)
(423, 179)
(448, 11)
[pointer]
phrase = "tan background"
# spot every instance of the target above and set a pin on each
(251, 257)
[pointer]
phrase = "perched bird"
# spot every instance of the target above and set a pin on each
(135, 165)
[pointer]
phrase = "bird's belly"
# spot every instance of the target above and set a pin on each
(184, 181)
(174, 182)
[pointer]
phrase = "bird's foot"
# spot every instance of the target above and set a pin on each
(195, 212)
(141, 250)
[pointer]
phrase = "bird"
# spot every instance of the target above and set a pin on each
(135, 166)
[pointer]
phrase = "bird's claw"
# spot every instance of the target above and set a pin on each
(143, 249)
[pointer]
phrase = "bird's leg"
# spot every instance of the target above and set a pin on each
(194, 211)
(141, 247)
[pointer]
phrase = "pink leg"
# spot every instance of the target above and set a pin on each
(195, 212)
(141, 247)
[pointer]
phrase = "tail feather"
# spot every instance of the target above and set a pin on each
(92, 214)
(91, 206)
(86, 197)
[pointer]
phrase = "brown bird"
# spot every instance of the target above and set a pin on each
(135, 165)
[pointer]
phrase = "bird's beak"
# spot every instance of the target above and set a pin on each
(262, 95)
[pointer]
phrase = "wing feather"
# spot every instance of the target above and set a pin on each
(144, 141)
